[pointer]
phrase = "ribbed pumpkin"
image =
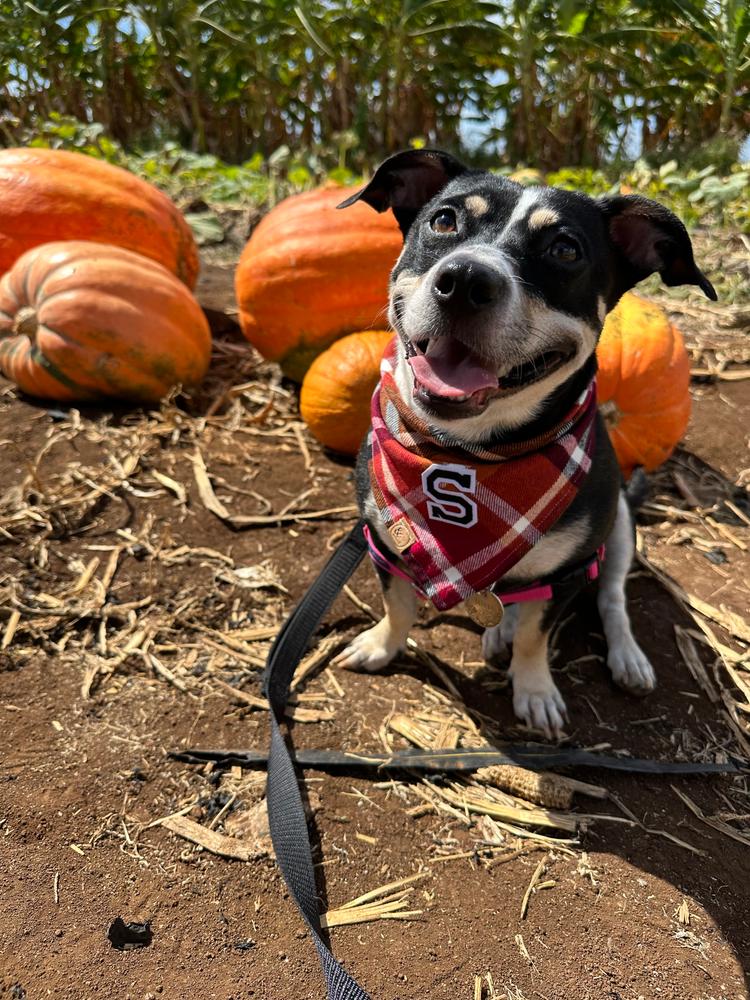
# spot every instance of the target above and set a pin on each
(51, 194)
(335, 397)
(643, 383)
(310, 274)
(85, 321)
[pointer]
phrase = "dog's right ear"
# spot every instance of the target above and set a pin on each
(406, 181)
(646, 237)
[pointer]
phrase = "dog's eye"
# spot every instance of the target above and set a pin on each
(444, 221)
(564, 248)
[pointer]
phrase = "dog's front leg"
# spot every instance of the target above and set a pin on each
(376, 647)
(536, 699)
(628, 663)
(497, 640)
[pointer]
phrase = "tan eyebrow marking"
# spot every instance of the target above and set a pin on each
(543, 217)
(477, 205)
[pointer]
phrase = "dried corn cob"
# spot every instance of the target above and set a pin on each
(549, 790)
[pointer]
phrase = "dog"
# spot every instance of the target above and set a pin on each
(498, 299)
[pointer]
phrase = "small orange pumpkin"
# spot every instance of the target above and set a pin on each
(86, 321)
(335, 397)
(311, 273)
(53, 194)
(643, 383)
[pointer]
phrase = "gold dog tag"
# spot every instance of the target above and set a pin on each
(402, 535)
(484, 608)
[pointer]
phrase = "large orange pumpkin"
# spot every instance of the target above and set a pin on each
(335, 397)
(643, 383)
(86, 321)
(51, 194)
(310, 274)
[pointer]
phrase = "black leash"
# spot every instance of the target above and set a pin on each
(286, 814)
(461, 760)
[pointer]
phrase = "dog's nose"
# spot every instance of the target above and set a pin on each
(466, 284)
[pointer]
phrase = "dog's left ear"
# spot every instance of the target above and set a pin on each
(406, 181)
(647, 237)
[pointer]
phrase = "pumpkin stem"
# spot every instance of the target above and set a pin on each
(26, 322)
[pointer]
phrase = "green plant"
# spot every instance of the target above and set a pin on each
(339, 83)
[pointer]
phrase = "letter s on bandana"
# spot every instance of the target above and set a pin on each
(446, 488)
(472, 513)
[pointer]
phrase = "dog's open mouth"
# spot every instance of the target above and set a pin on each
(446, 372)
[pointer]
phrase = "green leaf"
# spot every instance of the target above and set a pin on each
(668, 168)
(255, 163)
(578, 23)
(206, 226)
(299, 176)
(279, 156)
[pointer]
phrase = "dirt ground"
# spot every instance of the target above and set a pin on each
(139, 615)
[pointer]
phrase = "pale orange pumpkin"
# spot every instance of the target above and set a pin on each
(643, 383)
(53, 194)
(311, 273)
(87, 321)
(335, 397)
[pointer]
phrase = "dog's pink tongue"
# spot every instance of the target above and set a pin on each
(450, 370)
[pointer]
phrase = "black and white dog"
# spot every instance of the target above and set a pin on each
(498, 299)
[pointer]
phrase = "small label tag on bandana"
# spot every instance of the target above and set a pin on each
(402, 535)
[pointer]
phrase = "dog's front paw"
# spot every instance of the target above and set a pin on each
(540, 705)
(371, 650)
(630, 667)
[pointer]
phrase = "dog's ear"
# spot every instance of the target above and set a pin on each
(406, 181)
(647, 237)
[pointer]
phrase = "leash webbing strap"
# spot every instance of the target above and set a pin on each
(532, 757)
(286, 814)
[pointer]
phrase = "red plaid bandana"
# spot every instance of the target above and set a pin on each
(462, 518)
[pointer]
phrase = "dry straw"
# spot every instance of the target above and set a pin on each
(387, 902)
